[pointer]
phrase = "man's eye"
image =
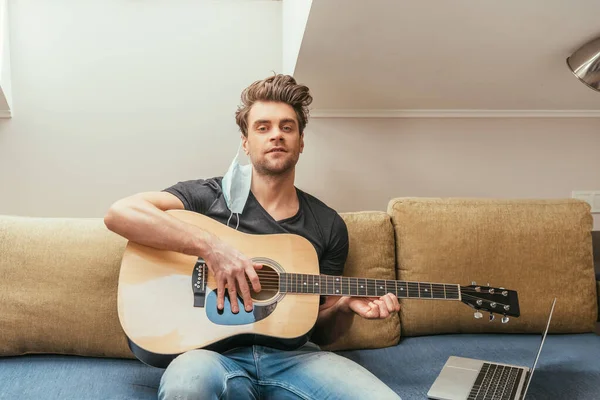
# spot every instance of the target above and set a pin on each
(287, 128)
(262, 128)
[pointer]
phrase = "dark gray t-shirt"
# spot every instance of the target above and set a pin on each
(315, 221)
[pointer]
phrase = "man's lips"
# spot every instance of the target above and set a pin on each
(277, 150)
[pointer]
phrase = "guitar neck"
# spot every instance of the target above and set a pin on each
(364, 287)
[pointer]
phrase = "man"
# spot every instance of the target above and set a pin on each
(259, 198)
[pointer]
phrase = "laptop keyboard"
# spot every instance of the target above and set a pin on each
(496, 382)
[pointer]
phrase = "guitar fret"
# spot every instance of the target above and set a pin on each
(346, 286)
(438, 291)
(412, 289)
(337, 285)
(371, 287)
(403, 291)
(283, 278)
(452, 291)
(425, 290)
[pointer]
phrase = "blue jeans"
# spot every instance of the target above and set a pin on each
(257, 372)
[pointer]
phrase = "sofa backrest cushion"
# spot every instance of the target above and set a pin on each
(59, 277)
(371, 255)
(58, 287)
(540, 248)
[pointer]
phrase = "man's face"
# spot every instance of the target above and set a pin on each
(274, 142)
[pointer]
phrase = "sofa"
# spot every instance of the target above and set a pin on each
(61, 336)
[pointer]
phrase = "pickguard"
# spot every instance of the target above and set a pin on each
(243, 317)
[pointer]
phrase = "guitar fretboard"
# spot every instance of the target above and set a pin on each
(365, 287)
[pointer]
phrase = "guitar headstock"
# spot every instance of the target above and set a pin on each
(491, 299)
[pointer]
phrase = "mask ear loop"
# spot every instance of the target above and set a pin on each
(238, 219)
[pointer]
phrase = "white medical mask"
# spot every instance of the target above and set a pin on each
(236, 186)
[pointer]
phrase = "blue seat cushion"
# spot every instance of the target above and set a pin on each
(568, 368)
(72, 377)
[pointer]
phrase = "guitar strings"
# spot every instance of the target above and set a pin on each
(273, 285)
(276, 283)
(273, 274)
(277, 287)
(274, 277)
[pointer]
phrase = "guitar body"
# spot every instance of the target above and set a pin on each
(167, 301)
(163, 314)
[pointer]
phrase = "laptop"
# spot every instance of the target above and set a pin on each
(470, 379)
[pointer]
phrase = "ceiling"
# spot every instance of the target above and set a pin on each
(446, 55)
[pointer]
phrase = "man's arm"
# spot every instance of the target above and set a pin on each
(141, 218)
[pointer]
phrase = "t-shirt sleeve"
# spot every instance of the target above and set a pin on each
(334, 257)
(196, 195)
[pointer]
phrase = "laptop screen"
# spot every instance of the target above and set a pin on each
(540, 349)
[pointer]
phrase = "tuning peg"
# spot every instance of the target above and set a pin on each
(504, 319)
(492, 316)
(478, 315)
(473, 283)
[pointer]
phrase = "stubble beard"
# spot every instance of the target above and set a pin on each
(267, 168)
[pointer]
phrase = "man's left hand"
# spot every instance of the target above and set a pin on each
(371, 307)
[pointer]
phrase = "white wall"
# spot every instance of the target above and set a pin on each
(359, 164)
(294, 16)
(115, 97)
(5, 79)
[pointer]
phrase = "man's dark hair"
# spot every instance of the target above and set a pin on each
(278, 88)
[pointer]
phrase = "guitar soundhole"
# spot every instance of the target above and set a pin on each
(269, 283)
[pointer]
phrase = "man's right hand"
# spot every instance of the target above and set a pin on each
(230, 267)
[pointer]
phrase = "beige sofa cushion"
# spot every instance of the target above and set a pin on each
(540, 248)
(59, 276)
(371, 255)
(58, 287)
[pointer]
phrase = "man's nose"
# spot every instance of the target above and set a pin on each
(276, 134)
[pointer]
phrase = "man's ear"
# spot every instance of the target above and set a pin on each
(245, 143)
(301, 142)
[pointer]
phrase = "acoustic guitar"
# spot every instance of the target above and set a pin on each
(167, 301)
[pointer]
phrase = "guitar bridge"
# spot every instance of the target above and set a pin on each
(199, 279)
